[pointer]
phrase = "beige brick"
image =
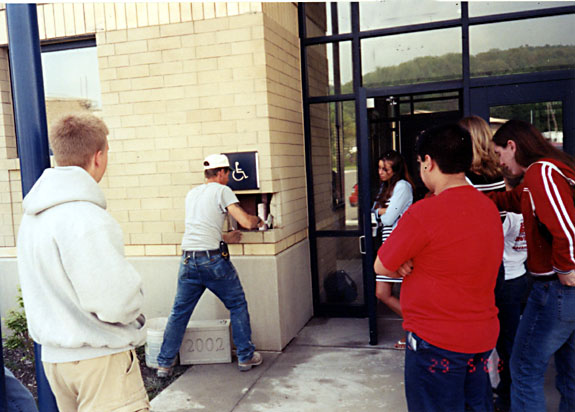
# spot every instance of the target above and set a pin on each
(166, 68)
(131, 250)
(231, 36)
(105, 50)
(133, 71)
(189, 103)
(177, 29)
(221, 9)
(120, 85)
(133, 227)
(160, 250)
(171, 142)
(197, 11)
(124, 181)
(178, 54)
(172, 239)
(174, 9)
(245, 20)
(206, 64)
(238, 86)
(186, 11)
(150, 82)
(158, 203)
(139, 46)
(140, 168)
(174, 215)
(156, 180)
(145, 58)
(141, 192)
(119, 36)
(8, 252)
(215, 76)
(253, 72)
(164, 43)
(153, 18)
(234, 113)
(118, 61)
(209, 13)
(160, 227)
(230, 62)
(149, 107)
(138, 144)
(204, 115)
(213, 50)
(218, 127)
(179, 166)
(136, 120)
(144, 33)
(169, 118)
(259, 249)
(144, 215)
(180, 79)
(146, 238)
(236, 249)
(123, 204)
(214, 101)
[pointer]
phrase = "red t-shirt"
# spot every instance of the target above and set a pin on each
(456, 242)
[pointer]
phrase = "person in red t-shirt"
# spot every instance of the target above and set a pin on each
(448, 248)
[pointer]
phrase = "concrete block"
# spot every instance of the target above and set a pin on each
(206, 341)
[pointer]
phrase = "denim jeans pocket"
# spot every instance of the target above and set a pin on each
(539, 293)
(220, 268)
(566, 304)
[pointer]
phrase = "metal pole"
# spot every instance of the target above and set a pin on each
(31, 128)
(3, 402)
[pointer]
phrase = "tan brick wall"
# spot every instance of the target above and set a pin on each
(180, 81)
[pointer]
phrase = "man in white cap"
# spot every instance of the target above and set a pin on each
(205, 264)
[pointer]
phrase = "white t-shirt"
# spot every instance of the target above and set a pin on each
(515, 246)
(205, 214)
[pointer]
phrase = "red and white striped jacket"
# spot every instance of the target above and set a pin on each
(547, 195)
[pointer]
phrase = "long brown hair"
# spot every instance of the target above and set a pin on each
(485, 161)
(530, 143)
(399, 168)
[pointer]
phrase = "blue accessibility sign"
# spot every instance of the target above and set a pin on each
(244, 174)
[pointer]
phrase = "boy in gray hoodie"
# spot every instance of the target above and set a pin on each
(83, 299)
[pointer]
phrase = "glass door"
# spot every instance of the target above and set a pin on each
(548, 105)
(393, 123)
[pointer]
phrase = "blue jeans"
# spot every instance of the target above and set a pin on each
(546, 328)
(510, 299)
(218, 275)
(18, 396)
(440, 380)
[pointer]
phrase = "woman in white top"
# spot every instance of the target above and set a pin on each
(393, 199)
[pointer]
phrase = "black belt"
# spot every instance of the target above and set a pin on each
(196, 253)
(547, 278)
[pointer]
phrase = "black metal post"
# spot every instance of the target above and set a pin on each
(31, 128)
(3, 403)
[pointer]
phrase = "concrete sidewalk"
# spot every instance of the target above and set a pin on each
(329, 366)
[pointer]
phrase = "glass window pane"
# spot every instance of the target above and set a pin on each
(319, 19)
(325, 77)
(71, 81)
(547, 117)
(340, 254)
(334, 165)
(522, 46)
(393, 13)
(483, 8)
(411, 58)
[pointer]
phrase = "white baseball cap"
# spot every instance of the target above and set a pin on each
(215, 161)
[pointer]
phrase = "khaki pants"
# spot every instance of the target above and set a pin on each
(105, 384)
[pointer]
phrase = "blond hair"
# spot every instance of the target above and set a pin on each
(75, 138)
(485, 161)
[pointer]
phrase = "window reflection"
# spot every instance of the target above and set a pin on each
(547, 117)
(334, 164)
(379, 15)
(319, 19)
(411, 58)
(522, 46)
(330, 69)
(483, 8)
(71, 81)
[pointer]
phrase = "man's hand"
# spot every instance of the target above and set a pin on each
(405, 269)
(568, 279)
(232, 237)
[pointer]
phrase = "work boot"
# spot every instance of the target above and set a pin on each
(164, 372)
(256, 360)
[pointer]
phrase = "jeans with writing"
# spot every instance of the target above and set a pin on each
(219, 276)
(441, 380)
(547, 328)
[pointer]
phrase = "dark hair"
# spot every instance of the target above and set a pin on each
(399, 168)
(530, 143)
(448, 145)
(209, 173)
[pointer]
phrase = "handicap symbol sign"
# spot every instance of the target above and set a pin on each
(244, 175)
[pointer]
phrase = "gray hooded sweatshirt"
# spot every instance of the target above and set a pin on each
(83, 299)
